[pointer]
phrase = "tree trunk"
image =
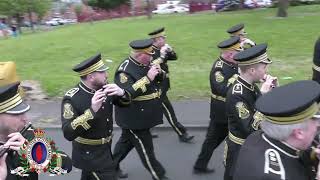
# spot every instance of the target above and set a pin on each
(149, 9)
(241, 5)
(91, 16)
(133, 10)
(19, 23)
(282, 8)
(31, 21)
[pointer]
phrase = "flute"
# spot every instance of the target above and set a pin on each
(4, 150)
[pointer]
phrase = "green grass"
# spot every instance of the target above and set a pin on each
(49, 56)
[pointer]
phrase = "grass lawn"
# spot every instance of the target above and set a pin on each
(49, 56)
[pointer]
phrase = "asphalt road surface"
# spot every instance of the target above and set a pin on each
(178, 158)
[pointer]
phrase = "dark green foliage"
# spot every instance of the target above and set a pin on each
(107, 4)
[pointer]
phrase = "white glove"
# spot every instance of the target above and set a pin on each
(248, 41)
(164, 50)
(169, 48)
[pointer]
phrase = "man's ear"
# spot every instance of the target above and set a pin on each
(90, 77)
(252, 70)
(298, 134)
(227, 55)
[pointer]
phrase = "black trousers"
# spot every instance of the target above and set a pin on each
(141, 140)
(98, 175)
(231, 159)
(216, 133)
(170, 115)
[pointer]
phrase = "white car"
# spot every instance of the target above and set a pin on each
(52, 23)
(258, 3)
(70, 21)
(171, 9)
(56, 21)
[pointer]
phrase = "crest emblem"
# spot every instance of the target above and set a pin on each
(123, 78)
(38, 154)
(219, 76)
(242, 109)
(67, 111)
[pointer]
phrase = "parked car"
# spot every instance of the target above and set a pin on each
(227, 5)
(257, 3)
(70, 21)
(52, 23)
(59, 20)
(171, 9)
(56, 21)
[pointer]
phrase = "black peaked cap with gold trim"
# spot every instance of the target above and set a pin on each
(90, 65)
(236, 29)
(143, 45)
(11, 101)
(157, 33)
(232, 43)
(291, 103)
(254, 55)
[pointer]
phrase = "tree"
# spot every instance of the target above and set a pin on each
(18, 8)
(106, 4)
(39, 7)
(78, 10)
(148, 9)
(15, 9)
(282, 8)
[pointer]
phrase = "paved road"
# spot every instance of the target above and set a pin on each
(177, 158)
(189, 112)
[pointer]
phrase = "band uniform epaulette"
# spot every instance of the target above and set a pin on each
(72, 92)
(219, 64)
(273, 163)
(232, 79)
(237, 88)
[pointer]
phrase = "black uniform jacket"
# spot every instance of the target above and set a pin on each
(80, 124)
(222, 76)
(145, 109)
(242, 117)
(316, 62)
(264, 158)
(170, 56)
